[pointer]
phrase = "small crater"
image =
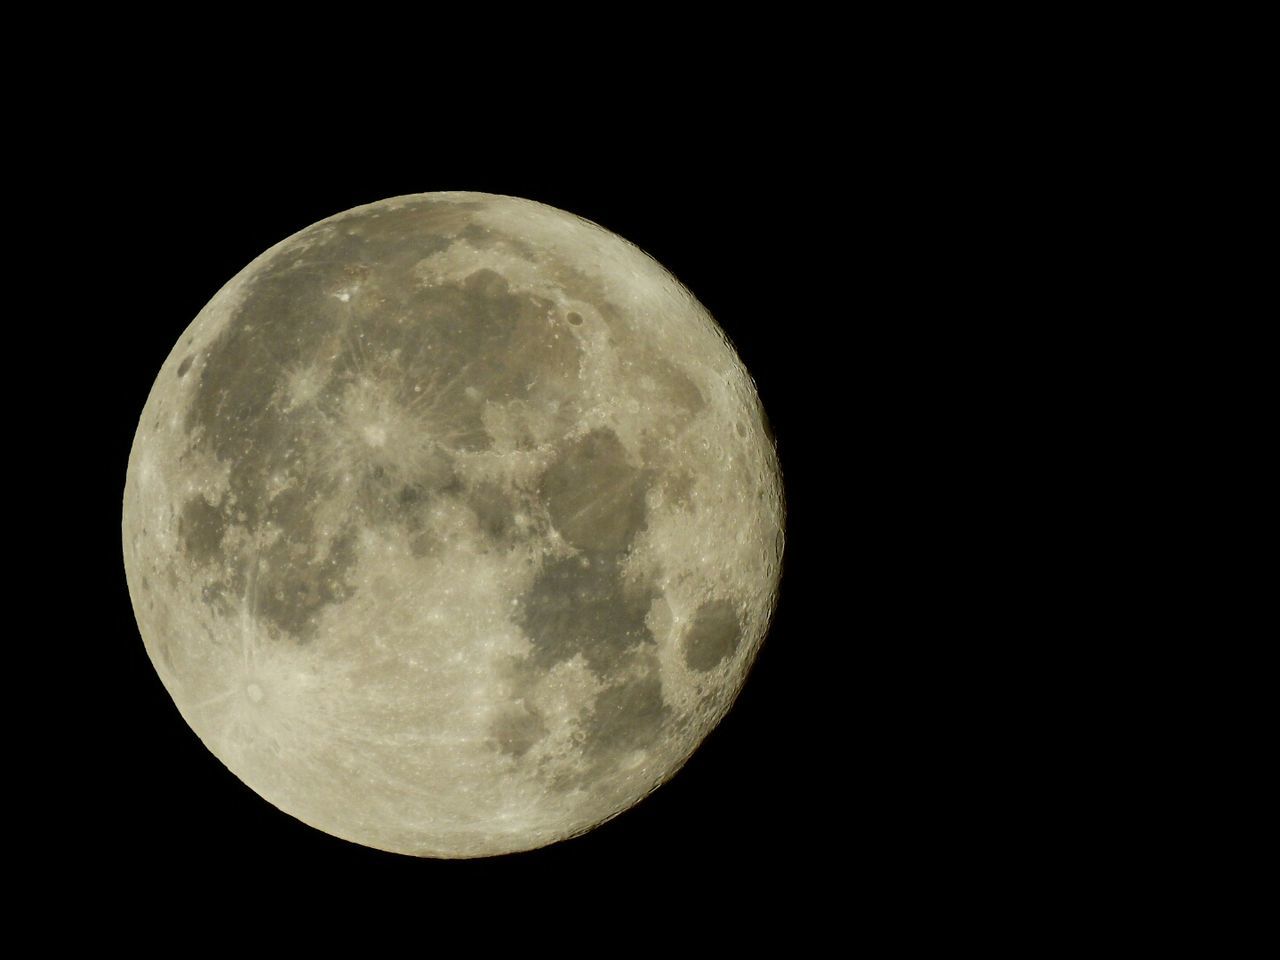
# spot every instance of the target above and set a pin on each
(183, 367)
(575, 319)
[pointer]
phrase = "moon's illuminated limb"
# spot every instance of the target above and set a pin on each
(452, 525)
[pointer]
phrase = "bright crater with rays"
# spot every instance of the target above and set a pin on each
(452, 525)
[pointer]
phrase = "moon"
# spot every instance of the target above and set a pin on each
(453, 524)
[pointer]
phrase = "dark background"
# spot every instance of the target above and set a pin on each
(746, 227)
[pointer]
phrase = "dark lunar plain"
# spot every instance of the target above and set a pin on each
(770, 789)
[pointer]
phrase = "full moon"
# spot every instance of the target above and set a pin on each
(453, 524)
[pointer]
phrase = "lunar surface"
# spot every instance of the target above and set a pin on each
(452, 525)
